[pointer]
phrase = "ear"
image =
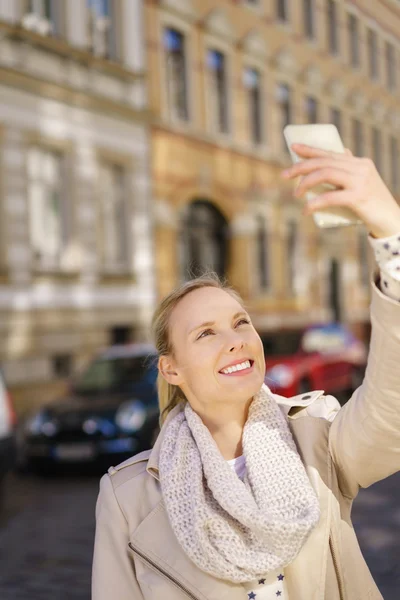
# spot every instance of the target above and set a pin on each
(168, 370)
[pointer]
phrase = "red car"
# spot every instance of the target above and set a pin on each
(322, 357)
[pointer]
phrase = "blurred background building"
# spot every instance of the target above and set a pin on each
(141, 143)
(76, 245)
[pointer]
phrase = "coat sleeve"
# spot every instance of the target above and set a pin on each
(113, 574)
(364, 437)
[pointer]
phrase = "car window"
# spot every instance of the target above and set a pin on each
(325, 340)
(116, 375)
(5, 425)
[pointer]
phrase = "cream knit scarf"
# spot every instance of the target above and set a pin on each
(237, 531)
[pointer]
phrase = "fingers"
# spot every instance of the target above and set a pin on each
(311, 152)
(337, 177)
(307, 166)
(329, 199)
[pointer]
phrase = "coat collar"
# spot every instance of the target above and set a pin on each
(290, 406)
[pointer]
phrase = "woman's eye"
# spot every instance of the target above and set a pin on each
(243, 321)
(205, 333)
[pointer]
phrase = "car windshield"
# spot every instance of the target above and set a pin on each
(324, 340)
(116, 375)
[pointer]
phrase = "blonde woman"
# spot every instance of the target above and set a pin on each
(247, 495)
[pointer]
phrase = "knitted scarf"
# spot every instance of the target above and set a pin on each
(237, 530)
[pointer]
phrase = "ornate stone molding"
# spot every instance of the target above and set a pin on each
(378, 111)
(255, 45)
(314, 78)
(359, 101)
(337, 90)
(243, 225)
(164, 215)
(218, 24)
(394, 120)
(286, 63)
(184, 8)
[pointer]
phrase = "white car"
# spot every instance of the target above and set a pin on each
(7, 433)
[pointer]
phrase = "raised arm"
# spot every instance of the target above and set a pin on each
(365, 435)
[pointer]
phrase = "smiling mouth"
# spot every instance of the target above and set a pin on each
(243, 367)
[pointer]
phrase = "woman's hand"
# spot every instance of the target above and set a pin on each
(360, 187)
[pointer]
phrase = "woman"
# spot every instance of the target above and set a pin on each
(246, 494)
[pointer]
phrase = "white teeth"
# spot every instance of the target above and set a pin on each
(244, 365)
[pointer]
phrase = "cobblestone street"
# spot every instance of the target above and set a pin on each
(46, 537)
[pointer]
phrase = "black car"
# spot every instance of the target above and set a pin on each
(7, 434)
(110, 413)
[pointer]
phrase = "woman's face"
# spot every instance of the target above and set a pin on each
(218, 355)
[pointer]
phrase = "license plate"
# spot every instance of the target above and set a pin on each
(75, 452)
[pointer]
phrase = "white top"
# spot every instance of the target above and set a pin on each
(272, 586)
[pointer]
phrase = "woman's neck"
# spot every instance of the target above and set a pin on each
(226, 427)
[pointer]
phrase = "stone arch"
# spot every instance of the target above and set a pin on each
(203, 239)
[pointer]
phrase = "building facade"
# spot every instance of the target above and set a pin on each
(76, 237)
(225, 77)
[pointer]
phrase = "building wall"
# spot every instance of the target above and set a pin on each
(190, 160)
(56, 94)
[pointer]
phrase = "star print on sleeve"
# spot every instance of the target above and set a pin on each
(278, 593)
(281, 577)
(252, 595)
(387, 254)
(261, 581)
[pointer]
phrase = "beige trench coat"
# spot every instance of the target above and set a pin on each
(137, 556)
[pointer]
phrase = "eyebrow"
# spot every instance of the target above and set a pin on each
(210, 323)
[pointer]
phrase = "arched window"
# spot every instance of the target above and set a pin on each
(203, 240)
(262, 253)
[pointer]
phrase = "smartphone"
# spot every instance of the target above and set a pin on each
(325, 137)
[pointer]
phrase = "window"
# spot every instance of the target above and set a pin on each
(216, 65)
(336, 119)
(373, 63)
(358, 138)
(311, 109)
(291, 252)
(114, 216)
(363, 252)
(394, 164)
(391, 79)
(252, 82)
(43, 16)
(285, 108)
(333, 42)
(49, 219)
(101, 28)
(377, 148)
(262, 253)
(174, 46)
(282, 10)
(354, 41)
(62, 365)
(308, 16)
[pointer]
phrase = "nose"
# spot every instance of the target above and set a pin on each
(236, 344)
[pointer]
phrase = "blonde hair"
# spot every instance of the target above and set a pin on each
(170, 395)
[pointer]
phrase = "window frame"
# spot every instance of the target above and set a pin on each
(354, 51)
(56, 263)
(310, 20)
(113, 47)
(211, 42)
(168, 20)
(336, 28)
(106, 159)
